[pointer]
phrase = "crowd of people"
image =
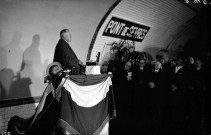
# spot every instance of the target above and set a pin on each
(162, 97)
(166, 96)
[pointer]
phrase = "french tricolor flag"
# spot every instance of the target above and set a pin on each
(85, 107)
(82, 104)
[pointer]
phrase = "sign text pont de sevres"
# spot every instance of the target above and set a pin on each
(123, 29)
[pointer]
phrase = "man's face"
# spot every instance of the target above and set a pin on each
(141, 63)
(191, 60)
(104, 68)
(172, 63)
(157, 65)
(198, 64)
(68, 37)
(162, 61)
(128, 66)
(179, 62)
(131, 50)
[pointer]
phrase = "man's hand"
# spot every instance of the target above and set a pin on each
(173, 87)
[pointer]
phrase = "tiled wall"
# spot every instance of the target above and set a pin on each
(22, 110)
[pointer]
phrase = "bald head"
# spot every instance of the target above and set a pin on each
(66, 35)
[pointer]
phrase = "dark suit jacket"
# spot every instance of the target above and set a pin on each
(156, 95)
(178, 78)
(65, 55)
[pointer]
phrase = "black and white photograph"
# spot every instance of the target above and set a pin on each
(105, 67)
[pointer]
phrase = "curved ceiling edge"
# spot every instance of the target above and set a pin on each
(98, 28)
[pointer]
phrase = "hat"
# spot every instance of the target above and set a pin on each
(51, 66)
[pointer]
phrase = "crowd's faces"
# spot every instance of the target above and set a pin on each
(132, 49)
(104, 68)
(179, 62)
(191, 60)
(157, 65)
(198, 64)
(141, 64)
(128, 65)
(162, 61)
(172, 62)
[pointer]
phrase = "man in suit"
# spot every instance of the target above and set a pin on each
(196, 89)
(64, 54)
(123, 84)
(176, 98)
(64, 58)
(154, 99)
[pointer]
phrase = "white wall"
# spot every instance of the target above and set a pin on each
(32, 27)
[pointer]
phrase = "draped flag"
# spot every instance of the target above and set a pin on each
(85, 106)
(81, 104)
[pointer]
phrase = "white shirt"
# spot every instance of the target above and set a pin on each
(156, 70)
(177, 68)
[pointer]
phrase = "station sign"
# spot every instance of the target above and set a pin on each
(124, 29)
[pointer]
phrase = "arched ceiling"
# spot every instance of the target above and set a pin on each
(172, 23)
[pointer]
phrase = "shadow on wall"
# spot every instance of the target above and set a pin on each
(14, 52)
(9, 73)
(32, 66)
(19, 82)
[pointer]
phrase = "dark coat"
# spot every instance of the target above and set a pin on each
(65, 55)
(157, 94)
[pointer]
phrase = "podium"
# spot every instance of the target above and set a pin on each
(81, 104)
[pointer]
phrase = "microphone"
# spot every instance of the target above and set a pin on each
(98, 57)
(65, 73)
